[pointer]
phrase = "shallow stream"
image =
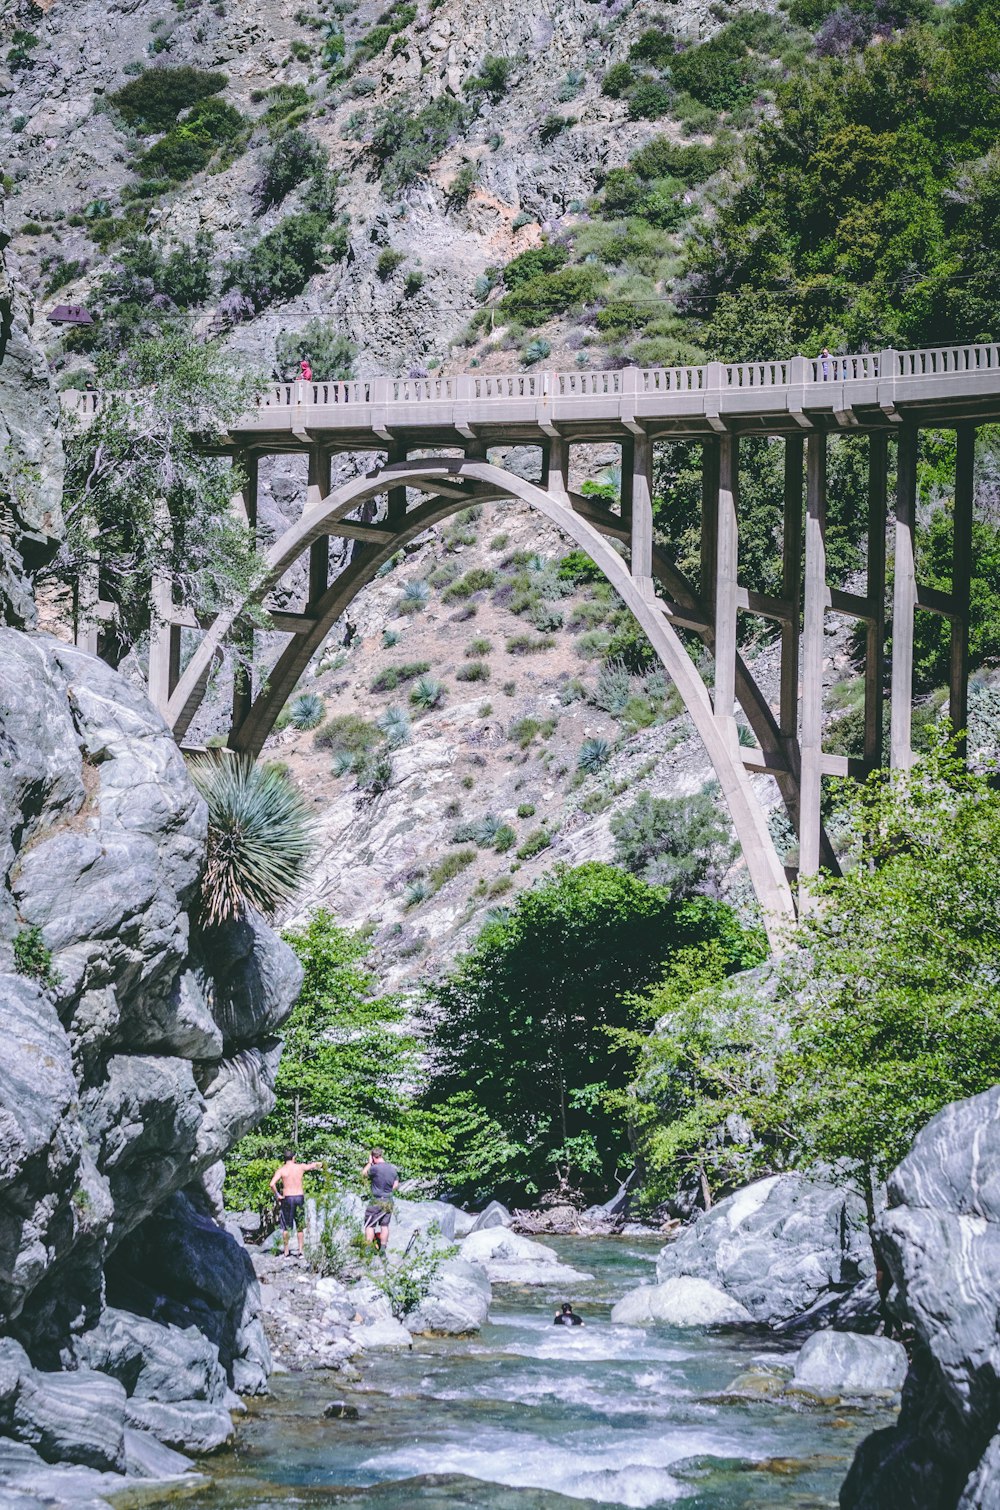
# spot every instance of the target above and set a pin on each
(528, 1416)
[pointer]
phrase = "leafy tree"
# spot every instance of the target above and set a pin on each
(331, 355)
(347, 1075)
(142, 497)
(405, 146)
(521, 1025)
(679, 843)
(191, 144)
(154, 100)
(281, 263)
(292, 158)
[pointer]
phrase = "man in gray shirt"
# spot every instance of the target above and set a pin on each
(384, 1180)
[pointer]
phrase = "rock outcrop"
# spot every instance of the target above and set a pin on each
(941, 1239)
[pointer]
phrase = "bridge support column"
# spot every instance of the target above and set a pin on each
(709, 521)
(246, 501)
(637, 508)
(878, 470)
(961, 575)
(813, 623)
(164, 643)
(317, 488)
(396, 497)
(727, 553)
(555, 467)
(904, 600)
(791, 590)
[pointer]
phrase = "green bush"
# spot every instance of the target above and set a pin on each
(153, 101)
(533, 845)
(283, 261)
(618, 81)
(648, 100)
(540, 299)
(191, 144)
(32, 958)
(258, 837)
(664, 158)
(293, 158)
(492, 78)
(477, 647)
(546, 258)
(392, 677)
(389, 262)
(347, 733)
(676, 842)
(405, 146)
(331, 355)
(450, 866)
(473, 671)
(527, 644)
(654, 46)
(477, 579)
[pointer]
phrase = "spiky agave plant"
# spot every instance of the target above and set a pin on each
(307, 711)
(258, 837)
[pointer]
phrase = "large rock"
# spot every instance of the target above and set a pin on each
(940, 1235)
(73, 1418)
(152, 1360)
(679, 1302)
(187, 1425)
(776, 1247)
(458, 1301)
(493, 1215)
(848, 1367)
(510, 1259)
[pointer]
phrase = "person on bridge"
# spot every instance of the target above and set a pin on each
(566, 1316)
(384, 1180)
(824, 358)
(305, 370)
(292, 1200)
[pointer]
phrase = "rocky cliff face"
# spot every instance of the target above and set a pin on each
(134, 1052)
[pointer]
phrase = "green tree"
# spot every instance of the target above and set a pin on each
(347, 1077)
(144, 498)
(521, 1025)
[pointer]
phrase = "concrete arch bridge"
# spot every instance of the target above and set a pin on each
(453, 422)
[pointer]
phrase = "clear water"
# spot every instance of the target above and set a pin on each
(531, 1417)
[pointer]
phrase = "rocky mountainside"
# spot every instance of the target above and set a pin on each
(136, 1049)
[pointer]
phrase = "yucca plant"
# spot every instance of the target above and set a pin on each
(341, 763)
(487, 829)
(390, 637)
(427, 692)
(395, 725)
(418, 891)
(594, 753)
(307, 711)
(258, 837)
(416, 595)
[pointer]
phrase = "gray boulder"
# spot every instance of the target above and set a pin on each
(147, 1458)
(679, 1302)
(153, 1361)
(72, 1418)
(187, 1425)
(941, 1239)
(776, 1247)
(508, 1258)
(458, 1302)
(493, 1215)
(841, 1365)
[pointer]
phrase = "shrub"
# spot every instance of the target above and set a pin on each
(331, 355)
(477, 647)
(395, 725)
(504, 839)
(648, 100)
(473, 671)
(594, 753)
(613, 689)
(542, 298)
(536, 351)
(478, 579)
(491, 80)
(526, 810)
(416, 596)
(654, 46)
(390, 637)
(554, 125)
(460, 189)
(388, 263)
(413, 283)
(664, 158)
(486, 829)
(258, 837)
(545, 616)
(394, 676)
(405, 146)
(293, 158)
(307, 711)
(348, 733)
(153, 101)
(578, 567)
(527, 644)
(618, 81)
(524, 730)
(534, 844)
(192, 143)
(533, 263)
(373, 770)
(499, 542)
(450, 866)
(674, 842)
(283, 260)
(31, 957)
(427, 693)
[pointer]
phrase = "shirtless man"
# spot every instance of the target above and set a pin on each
(290, 1177)
(378, 1213)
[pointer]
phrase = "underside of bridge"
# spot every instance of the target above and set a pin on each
(799, 404)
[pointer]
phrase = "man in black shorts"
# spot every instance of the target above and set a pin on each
(378, 1213)
(292, 1203)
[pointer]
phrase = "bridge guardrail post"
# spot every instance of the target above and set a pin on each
(888, 371)
(715, 375)
(629, 390)
(379, 391)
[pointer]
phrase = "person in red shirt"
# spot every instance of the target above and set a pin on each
(305, 370)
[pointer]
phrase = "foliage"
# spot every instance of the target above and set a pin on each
(259, 837)
(679, 843)
(406, 1281)
(405, 146)
(391, 677)
(492, 78)
(539, 299)
(389, 262)
(154, 100)
(143, 498)
(307, 711)
(427, 693)
(537, 260)
(191, 144)
(348, 733)
(281, 263)
(346, 1078)
(32, 957)
(330, 353)
(931, 633)
(594, 753)
(532, 1046)
(292, 158)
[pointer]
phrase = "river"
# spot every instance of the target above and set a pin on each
(527, 1416)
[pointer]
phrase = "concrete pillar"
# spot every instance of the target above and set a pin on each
(709, 520)
(247, 461)
(813, 622)
(641, 513)
(555, 466)
(726, 574)
(878, 472)
(791, 587)
(396, 498)
(961, 580)
(317, 488)
(164, 643)
(904, 600)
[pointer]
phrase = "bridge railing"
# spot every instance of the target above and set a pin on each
(936, 360)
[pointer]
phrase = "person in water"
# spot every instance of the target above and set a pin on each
(292, 1199)
(566, 1316)
(384, 1180)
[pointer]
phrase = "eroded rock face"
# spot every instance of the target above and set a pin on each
(941, 1240)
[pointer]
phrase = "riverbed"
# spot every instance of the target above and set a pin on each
(528, 1416)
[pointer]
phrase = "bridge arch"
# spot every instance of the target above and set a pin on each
(450, 484)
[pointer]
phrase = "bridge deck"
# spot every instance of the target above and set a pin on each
(943, 385)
